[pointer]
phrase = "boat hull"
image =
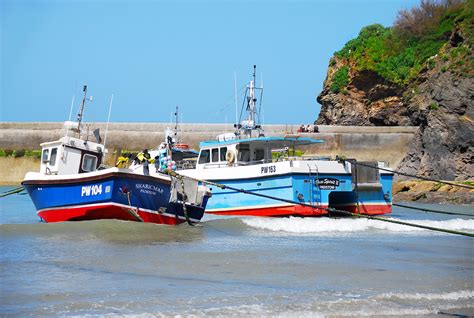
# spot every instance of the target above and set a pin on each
(326, 191)
(109, 195)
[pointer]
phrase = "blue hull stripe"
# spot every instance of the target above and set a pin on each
(150, 194)
(298, 188)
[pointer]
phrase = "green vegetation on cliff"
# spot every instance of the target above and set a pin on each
(400, 52)
(340, 79)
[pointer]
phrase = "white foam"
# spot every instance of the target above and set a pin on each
(385, 312)
(322, 225)
(456, 295)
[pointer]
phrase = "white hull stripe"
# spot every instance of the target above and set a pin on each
(115, 204)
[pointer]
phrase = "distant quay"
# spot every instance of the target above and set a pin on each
(28, 135)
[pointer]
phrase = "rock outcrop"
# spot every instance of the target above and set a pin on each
(438, 99)
(432, 192)
(368, 99)
(444, 111)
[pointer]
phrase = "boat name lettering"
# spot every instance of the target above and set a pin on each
(327, 183)
(91, 190)
(268, 169)
(150, 187)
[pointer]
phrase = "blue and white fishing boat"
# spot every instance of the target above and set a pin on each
(248, 160)
(73, 185)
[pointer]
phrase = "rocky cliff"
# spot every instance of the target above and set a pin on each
(377, 79)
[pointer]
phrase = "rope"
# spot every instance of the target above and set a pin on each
(222, 186)
(184, 198)
(410, 175)
(432, 211)
(407, 223)
(131, 212)
(12, 191)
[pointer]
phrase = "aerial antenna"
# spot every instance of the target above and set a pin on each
(236, 98)
(108, 118)
(81, 110)
(176, 122)
(72, 105)
(251, 99)
(254, 70)
(260, 109)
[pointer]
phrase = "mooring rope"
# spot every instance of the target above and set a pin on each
(222, 186)
(130, 210)
(431, 210)
(12, 191)
(407, 223)
(184, 198)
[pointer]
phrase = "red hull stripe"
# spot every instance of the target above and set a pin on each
(298, 210)
(368, 209)
(108, 211)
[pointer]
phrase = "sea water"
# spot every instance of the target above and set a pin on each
(238, 267)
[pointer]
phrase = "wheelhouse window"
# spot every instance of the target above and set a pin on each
(259, 154)
(215, 155)
(45, 156)
(89, 163)
(244, 153)
(223, 153)
(52, 159)
(204, 156)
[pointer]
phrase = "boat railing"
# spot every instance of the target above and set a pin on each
(321, 158)
(251, 163)
(215, 165)
(186, 164)
(304, 158)
(258, 162)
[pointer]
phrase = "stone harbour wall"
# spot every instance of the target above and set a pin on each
(387, 144)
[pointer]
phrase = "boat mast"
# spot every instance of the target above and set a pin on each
(252, 121)
(81, 110)
(176, 124)
(251, 102)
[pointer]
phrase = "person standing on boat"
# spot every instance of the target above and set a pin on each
(144, 158)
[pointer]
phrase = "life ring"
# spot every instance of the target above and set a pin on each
(230, 157)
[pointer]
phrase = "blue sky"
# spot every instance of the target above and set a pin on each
(154, 55)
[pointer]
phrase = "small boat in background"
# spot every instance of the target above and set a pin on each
(180, 152)
(73, 185)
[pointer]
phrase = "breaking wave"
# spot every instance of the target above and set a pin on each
(327, 225)
(457, 295)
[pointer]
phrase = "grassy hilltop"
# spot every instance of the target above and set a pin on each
(399, 53)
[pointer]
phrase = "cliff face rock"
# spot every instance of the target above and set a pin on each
(369, 99)
(444, 111)
(438, 99)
